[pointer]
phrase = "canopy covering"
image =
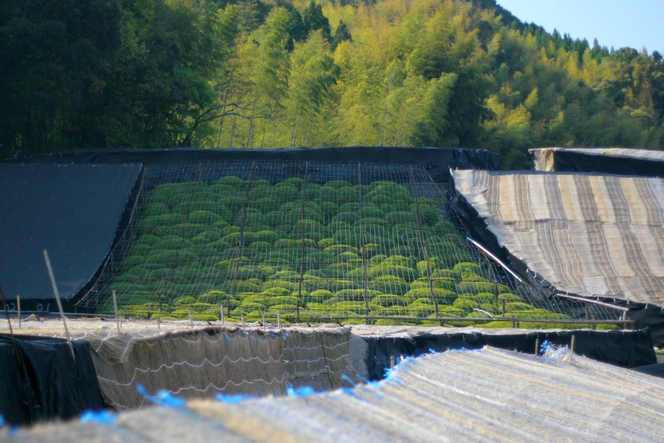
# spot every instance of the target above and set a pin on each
(487, 395)
(591, 235)
(72, 211)
(641, 162)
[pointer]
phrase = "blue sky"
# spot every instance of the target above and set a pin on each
(618, 23)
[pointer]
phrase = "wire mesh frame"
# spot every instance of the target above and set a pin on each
(333, 229)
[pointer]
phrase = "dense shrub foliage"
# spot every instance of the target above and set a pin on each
(346, 250)
(294, 73)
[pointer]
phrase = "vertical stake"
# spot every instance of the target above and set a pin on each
(263, 315)
(115, 306)
(393, 361)
(18, 307)
(243, 322)
(571, 351)
(57, 299)
(191, 320)
(221, 317)
(537, 346)
(278, 320)
(159, 324)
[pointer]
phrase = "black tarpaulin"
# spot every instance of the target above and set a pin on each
(72, 211)
(40, 380)
(627, 349)
(437, 161)
(639, 162)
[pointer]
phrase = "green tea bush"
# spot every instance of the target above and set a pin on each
(328, 194)
(313, 191)
(355, 307)
(509, 297)
(283, 308)
(443, 296)
(192, 236)
(286, 275)
(421, 308)
(401, 217)
(204, 217)
(387, 300)
(329, 209)
(285, 192)
(264, 205)
(347, 193)
(475, 287)
(383, 269)
(465, 305)
(232, 181)
(346, 217)
(389, 284)
(261, 191)
(246, 286)
(355, 294)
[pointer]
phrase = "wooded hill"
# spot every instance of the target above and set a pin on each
(245, 73)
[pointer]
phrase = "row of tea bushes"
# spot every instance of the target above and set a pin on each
(320, 250)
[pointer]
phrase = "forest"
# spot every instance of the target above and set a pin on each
(301, 73)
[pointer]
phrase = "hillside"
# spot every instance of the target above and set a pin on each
(163, 73)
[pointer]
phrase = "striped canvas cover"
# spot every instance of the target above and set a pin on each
(591, 235)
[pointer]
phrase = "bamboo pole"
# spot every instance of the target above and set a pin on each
(115, 307)
(18, 308)
(57, 299)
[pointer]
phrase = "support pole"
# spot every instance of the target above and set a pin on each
(278, 320)
(537, 346)
(365, 273)
(57, 299)
(221, 316)
(115, 307)
(18, 308)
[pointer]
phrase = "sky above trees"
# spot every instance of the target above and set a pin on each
(618, 23)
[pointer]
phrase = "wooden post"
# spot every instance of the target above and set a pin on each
(115, 306)
(537, 346)
(18, 308)
(263, 316)
(393, 361)
(221, 317)
(243, 322)
(57, 299)
(572, 345)
(159, 324)
(191, 320)
(278, 320)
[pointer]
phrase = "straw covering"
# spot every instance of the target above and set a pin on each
(591, 235)
(203, 363)
(486, 395)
